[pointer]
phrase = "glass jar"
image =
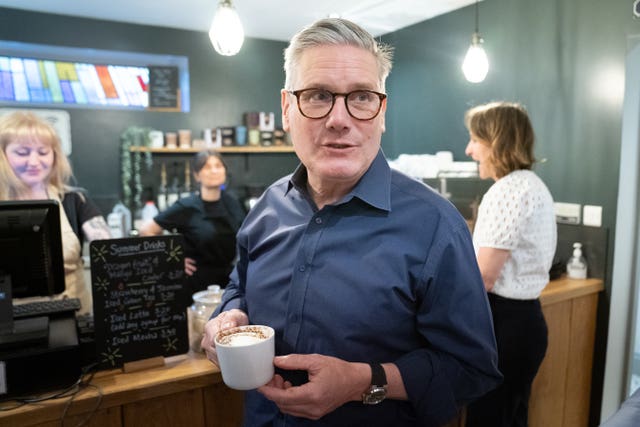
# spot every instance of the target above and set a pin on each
(204, 303)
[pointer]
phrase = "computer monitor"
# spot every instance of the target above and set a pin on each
(31, 262)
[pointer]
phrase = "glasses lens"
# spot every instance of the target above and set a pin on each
(315, 103)
(363, 104)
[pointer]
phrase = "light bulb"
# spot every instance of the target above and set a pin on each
(476, 65)
(226, 33)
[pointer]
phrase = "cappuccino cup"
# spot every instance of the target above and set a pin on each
(245, 356)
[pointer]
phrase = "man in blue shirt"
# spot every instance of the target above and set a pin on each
(367, 276)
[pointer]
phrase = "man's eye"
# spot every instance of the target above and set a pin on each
(320, 96)
(362, 96)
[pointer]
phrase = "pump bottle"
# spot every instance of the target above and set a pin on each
(577, 265)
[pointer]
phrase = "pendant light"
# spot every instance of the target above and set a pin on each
(476, 64)
(226, 33)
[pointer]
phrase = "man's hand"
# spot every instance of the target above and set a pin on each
(332, 383)
(224, 320)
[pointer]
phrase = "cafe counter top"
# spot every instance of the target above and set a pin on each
(565, 289)
(186, 391)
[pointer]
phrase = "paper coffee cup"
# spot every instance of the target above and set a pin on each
(245, 356)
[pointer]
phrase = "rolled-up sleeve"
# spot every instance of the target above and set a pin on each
(459, 363)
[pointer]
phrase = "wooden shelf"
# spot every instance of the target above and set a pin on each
(235, 149)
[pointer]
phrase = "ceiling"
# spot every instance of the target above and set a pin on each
(266, 19)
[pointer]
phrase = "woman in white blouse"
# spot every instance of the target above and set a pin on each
(515, 241)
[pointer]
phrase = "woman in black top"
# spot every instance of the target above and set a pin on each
(208, 220)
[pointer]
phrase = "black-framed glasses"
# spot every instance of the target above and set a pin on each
(316, 103)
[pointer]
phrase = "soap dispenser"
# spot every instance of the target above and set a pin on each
(577, 265)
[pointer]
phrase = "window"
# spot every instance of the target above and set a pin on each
(86, 78)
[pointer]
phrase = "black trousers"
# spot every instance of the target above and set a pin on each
(521, 335)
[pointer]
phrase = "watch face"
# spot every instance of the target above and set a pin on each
(374, 395)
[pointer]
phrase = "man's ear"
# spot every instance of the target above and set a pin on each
(285, 101)
(383, 110)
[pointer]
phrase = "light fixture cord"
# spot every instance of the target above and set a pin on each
(477, 13)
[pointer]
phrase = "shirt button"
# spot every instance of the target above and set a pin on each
(318, 220)
(301, 268)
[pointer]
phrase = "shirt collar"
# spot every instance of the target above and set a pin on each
(373, 188)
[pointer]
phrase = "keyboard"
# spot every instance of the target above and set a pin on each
(45, 308)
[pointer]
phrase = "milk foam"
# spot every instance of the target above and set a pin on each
(242, 339)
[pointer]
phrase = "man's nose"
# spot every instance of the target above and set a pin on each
(339, 114)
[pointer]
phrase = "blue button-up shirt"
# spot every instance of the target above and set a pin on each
(386, 274)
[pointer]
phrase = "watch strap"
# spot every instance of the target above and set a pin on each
(377, 391)
(378, 376)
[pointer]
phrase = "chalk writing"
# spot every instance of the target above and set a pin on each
(139, 298)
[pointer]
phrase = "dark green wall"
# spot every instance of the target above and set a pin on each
(222, 89)
(551, 55)
(564, 60)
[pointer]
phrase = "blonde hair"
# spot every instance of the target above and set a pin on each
(506, 127)
(27, 126)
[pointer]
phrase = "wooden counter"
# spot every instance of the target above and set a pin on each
(188, 390)
(565, 289)
(561, 392)
(562, 389)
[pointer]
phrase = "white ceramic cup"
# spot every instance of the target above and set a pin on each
(245, 356)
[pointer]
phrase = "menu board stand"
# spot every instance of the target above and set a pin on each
(139, 300)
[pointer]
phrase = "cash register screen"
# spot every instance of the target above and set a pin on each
(39, 353)
(31, 247)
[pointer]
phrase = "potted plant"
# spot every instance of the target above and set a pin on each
(131, 164)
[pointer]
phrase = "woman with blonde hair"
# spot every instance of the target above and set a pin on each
(34, 167)
(515, 241)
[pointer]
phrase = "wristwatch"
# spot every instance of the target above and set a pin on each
(378, 388)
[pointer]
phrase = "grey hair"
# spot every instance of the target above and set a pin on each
(335, 31)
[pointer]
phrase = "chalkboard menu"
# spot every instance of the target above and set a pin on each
(164, 93)
(139, 301)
